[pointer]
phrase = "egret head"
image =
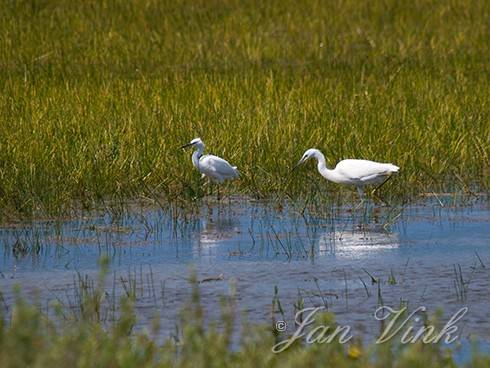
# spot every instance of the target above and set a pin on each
(312, 152)
(194, 142)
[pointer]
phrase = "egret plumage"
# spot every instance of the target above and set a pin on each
(358, 173)
(214, 167)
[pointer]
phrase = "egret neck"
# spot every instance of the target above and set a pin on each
(323, 169)
(197, 154)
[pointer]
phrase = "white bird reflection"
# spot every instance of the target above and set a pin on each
(214, 231)
(218, 230)
(355, 243)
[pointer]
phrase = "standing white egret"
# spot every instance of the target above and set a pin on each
(214, 167)
(353, 172)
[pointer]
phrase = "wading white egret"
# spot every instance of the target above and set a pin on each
(214, 167)
(353, 172)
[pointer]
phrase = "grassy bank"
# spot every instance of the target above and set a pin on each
(97, 95)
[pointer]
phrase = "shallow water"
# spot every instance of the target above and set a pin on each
(422, 255)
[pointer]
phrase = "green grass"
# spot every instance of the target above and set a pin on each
(97, 96)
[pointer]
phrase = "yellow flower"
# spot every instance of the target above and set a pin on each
(354, 352)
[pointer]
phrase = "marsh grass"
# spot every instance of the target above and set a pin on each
(97, 96)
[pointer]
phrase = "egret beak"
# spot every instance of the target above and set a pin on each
(297, 165)
(187, 145)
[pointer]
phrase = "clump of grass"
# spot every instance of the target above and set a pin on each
(96, 96)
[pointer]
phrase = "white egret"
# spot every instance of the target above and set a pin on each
(353, 172)
(214, 167)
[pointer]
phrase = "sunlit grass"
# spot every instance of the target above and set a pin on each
(97, 96)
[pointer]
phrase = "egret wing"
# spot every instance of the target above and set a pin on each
(218, 165)
(364, 169)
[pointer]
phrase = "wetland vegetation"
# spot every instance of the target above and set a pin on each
(97, 96)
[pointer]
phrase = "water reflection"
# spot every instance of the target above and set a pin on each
(355, 243)
(238, 231)
(216, 229)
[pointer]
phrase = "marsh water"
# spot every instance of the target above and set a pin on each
(347, 260)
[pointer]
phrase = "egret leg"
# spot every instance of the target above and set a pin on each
(206, 188)
(361, 195)
(219, 197)
(379, 186)
(374, 194)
